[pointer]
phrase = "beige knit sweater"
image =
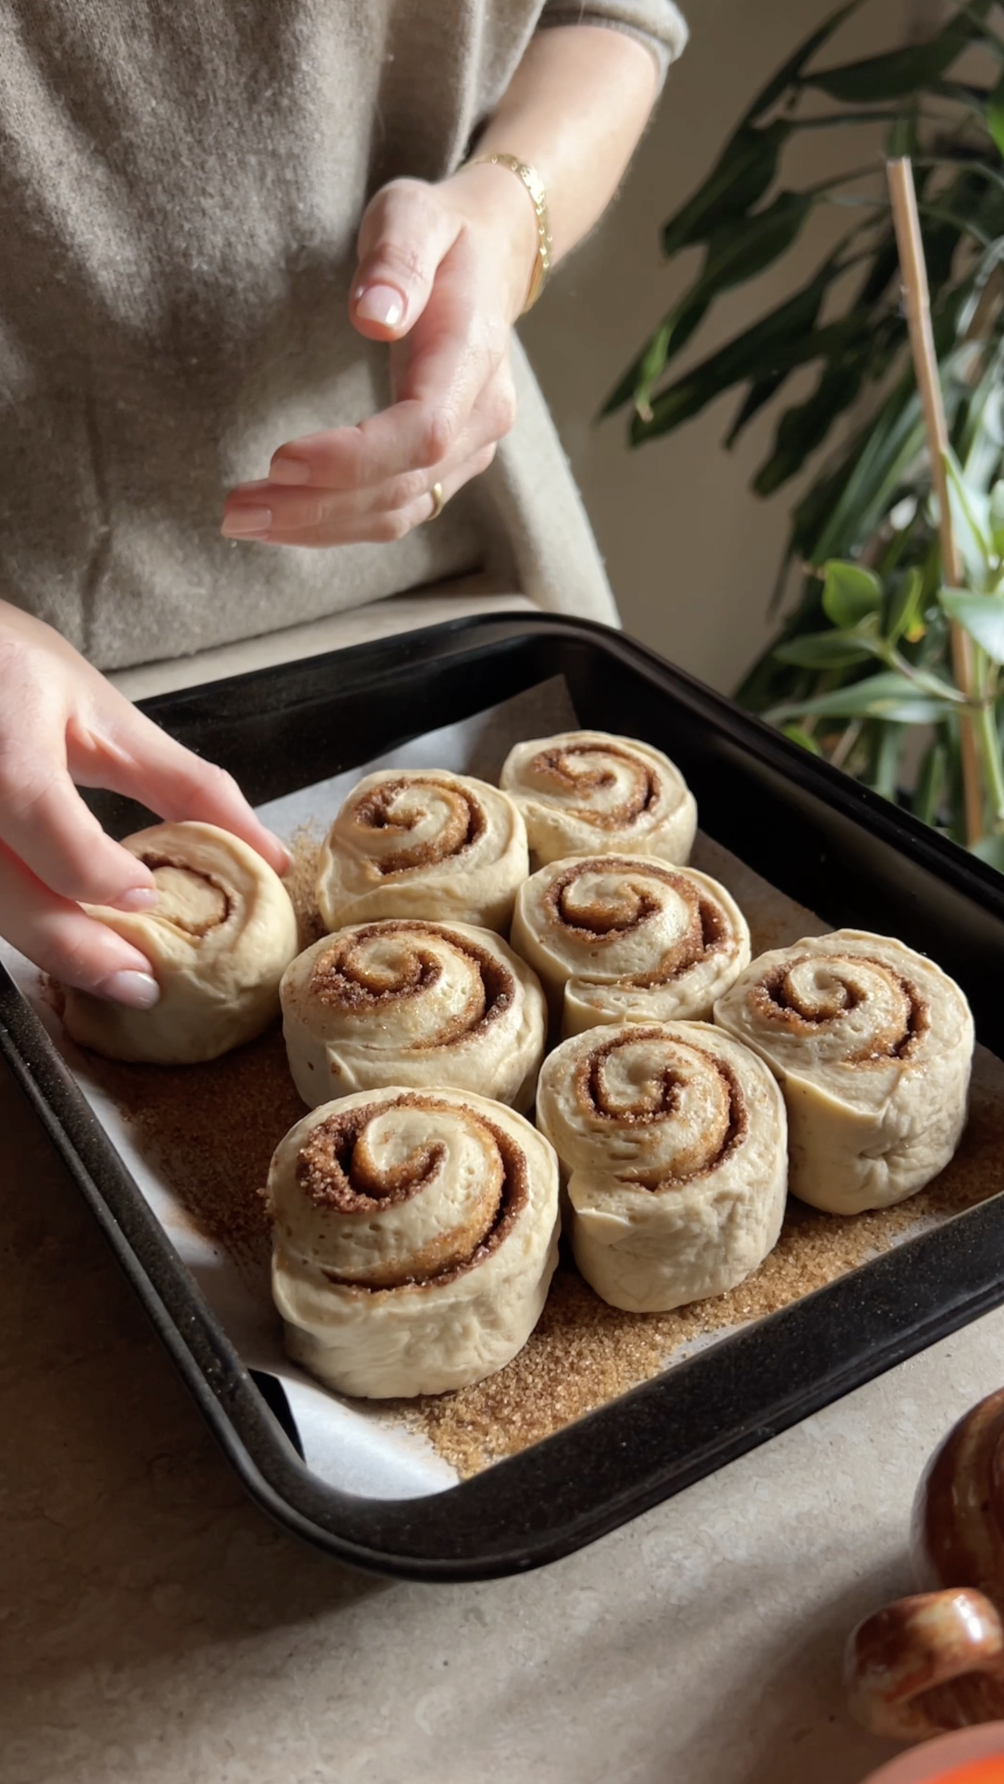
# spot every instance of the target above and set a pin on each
(180, 186)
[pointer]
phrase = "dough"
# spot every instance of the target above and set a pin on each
(623, 938)
(218, 942)
(872, 1045)
(673, 1138)
(589, 793)
(416, 1234)
(423, 843)
(413, 1003)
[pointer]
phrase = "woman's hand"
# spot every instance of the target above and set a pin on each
(61, 723)
(443, 273)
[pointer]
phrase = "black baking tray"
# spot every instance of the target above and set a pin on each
(849, 855)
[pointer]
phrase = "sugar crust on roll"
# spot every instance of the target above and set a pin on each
(416, 1234)
(591, 792)
(415, 1003)
(218, 942)
(673, 1140)
(872, 1045)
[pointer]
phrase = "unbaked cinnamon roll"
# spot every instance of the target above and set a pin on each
(416, 1234)
(218, 941)
(872, 1045)
(589, 793)
(673, 1138)
(407, 1002)
(423, 843)
(621, 938)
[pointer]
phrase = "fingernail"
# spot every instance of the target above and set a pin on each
(246, 523)
(289, 470)
(380, 303)
(138, 991)
(138, 898)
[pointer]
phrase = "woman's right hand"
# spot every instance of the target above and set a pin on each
(62, 725)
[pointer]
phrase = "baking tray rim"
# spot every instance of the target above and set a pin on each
(905, 1319)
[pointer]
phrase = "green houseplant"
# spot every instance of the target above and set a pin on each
(862, 667)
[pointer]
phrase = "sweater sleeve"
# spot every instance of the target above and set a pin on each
(656, 23)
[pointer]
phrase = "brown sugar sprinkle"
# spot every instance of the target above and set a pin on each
(300, 883)
(584, 1353)
(213, 1128)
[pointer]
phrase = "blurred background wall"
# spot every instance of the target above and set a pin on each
(691, 553)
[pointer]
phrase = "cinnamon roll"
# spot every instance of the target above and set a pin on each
(872, 1045)
(218, 941)
(622, 938)
(414, 1003)
(423, 843)
(673, 1139)
(589, 793)
(415, 1237)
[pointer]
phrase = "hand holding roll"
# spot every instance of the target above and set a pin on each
(673, 1138)
(872, 1045)
(423, 843)
(415, 1238)
(617, 938)
(590, 793)
(218, 941)
(413, 1003)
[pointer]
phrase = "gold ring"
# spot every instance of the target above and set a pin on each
(438, 501)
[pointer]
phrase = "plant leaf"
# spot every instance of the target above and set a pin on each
(795, 734)
(850, 593)
(805, 426)
(736, 252)
(779, 83)
(774, 346)
(741, 250)
(982, 616)
(824, 650)
(970, 521)
(900, 72)
(905, 605)
(995, 515)
(991, 850)
(738, 180)
(931, 782)
(887, 695)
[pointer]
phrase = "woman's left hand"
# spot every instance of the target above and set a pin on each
(443, 273)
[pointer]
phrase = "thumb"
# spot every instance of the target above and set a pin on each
(405, 234)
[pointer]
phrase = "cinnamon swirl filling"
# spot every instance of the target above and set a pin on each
(690, 1098)
(605, 784)
(367, 973)
(190, 900)
(461, 1190)
(597, 903)
(396, 809)
(878, 1012)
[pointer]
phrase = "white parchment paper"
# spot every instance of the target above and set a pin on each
(349, 1444)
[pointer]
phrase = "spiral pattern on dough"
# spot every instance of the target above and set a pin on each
(425, 843)
(673, 1138)
(588, 792)
(619, 938)
(647, 1102)
(872, 1044)
(416, 1003)
(854, 1009)
(218, 941)
(415, 1237)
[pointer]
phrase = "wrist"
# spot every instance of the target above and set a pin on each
(491, 199)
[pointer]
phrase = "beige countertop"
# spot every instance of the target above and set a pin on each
(156, 1628)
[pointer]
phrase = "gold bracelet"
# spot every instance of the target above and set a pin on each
(538, 198)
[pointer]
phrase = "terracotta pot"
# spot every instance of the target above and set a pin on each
(935, 1662)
